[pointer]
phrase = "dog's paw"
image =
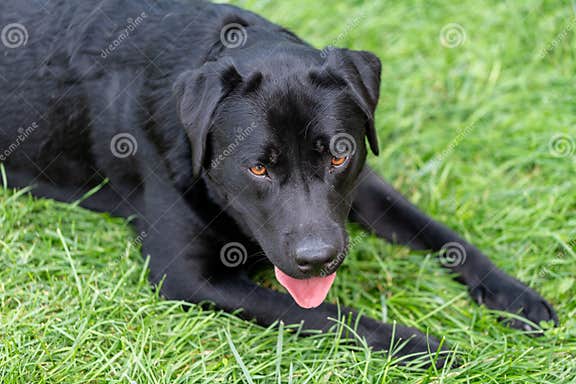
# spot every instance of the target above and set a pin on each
(408, 345)
(502, 292)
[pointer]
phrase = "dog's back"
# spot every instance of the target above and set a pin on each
(75, 75)
(64, 66)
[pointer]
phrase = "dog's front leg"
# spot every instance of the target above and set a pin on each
(267, 306)
(384, 211)
(234, 293)
(185, 262)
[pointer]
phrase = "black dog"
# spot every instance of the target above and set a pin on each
(221, 135)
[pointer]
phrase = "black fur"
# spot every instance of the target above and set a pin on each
(201, 114)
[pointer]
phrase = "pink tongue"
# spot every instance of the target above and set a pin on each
(308, 293)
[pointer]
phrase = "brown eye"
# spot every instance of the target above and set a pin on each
(258, 170)
(338, 161)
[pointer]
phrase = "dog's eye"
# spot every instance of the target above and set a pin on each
(259, 170)
(338, 161)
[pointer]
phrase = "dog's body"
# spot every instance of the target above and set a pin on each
(222, 130)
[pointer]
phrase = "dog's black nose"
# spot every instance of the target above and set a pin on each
(312, 257)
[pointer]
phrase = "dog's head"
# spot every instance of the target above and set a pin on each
(280, 144)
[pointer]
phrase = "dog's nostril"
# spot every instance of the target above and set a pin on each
(313, 259)
(306, 268)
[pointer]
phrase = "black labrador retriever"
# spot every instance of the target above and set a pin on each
(223, 137)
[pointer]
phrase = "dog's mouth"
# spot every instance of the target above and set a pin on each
(307, 293)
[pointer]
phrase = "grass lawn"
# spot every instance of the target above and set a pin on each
(477, 125)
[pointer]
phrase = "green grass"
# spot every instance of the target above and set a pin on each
(465, 134)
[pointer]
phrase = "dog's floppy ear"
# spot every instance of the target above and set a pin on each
(361, 70)
(198, 93)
